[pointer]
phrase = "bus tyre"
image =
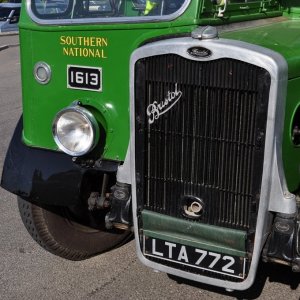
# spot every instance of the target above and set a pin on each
(53, 229)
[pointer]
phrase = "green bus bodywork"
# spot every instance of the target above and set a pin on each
(65, 45)
(227, 203)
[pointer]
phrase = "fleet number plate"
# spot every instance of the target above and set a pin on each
(84, 78)
(229, 265)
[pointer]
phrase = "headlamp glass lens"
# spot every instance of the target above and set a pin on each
(74, 132)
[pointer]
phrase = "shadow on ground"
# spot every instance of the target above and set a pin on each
(273, 273)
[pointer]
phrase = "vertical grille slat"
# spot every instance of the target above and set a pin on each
(210, 144)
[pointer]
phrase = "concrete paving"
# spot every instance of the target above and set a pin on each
(8, 40)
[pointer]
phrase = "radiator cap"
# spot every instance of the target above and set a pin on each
(205, 33)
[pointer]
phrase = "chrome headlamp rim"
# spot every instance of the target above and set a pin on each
(88, 117)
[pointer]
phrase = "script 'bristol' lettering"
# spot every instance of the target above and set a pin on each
(155, 110)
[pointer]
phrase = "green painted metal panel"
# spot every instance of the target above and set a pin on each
(282, 36)
(203, 236)
(60, 46)
(51, 44)
(291, 152)
(42, 102)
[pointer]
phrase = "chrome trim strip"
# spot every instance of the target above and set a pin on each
(272, 175)
(113, 20)
(124, 170)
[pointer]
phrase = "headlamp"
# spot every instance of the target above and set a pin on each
(75, 130)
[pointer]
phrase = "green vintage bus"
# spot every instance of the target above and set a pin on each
(175, 120)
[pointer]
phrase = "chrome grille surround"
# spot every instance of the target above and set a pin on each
(273, 187)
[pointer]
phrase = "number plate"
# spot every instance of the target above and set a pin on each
(84, 78)
(229, 265)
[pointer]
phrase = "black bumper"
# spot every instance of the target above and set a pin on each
(44, 176)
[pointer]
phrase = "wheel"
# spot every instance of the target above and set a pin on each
(73, 233)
